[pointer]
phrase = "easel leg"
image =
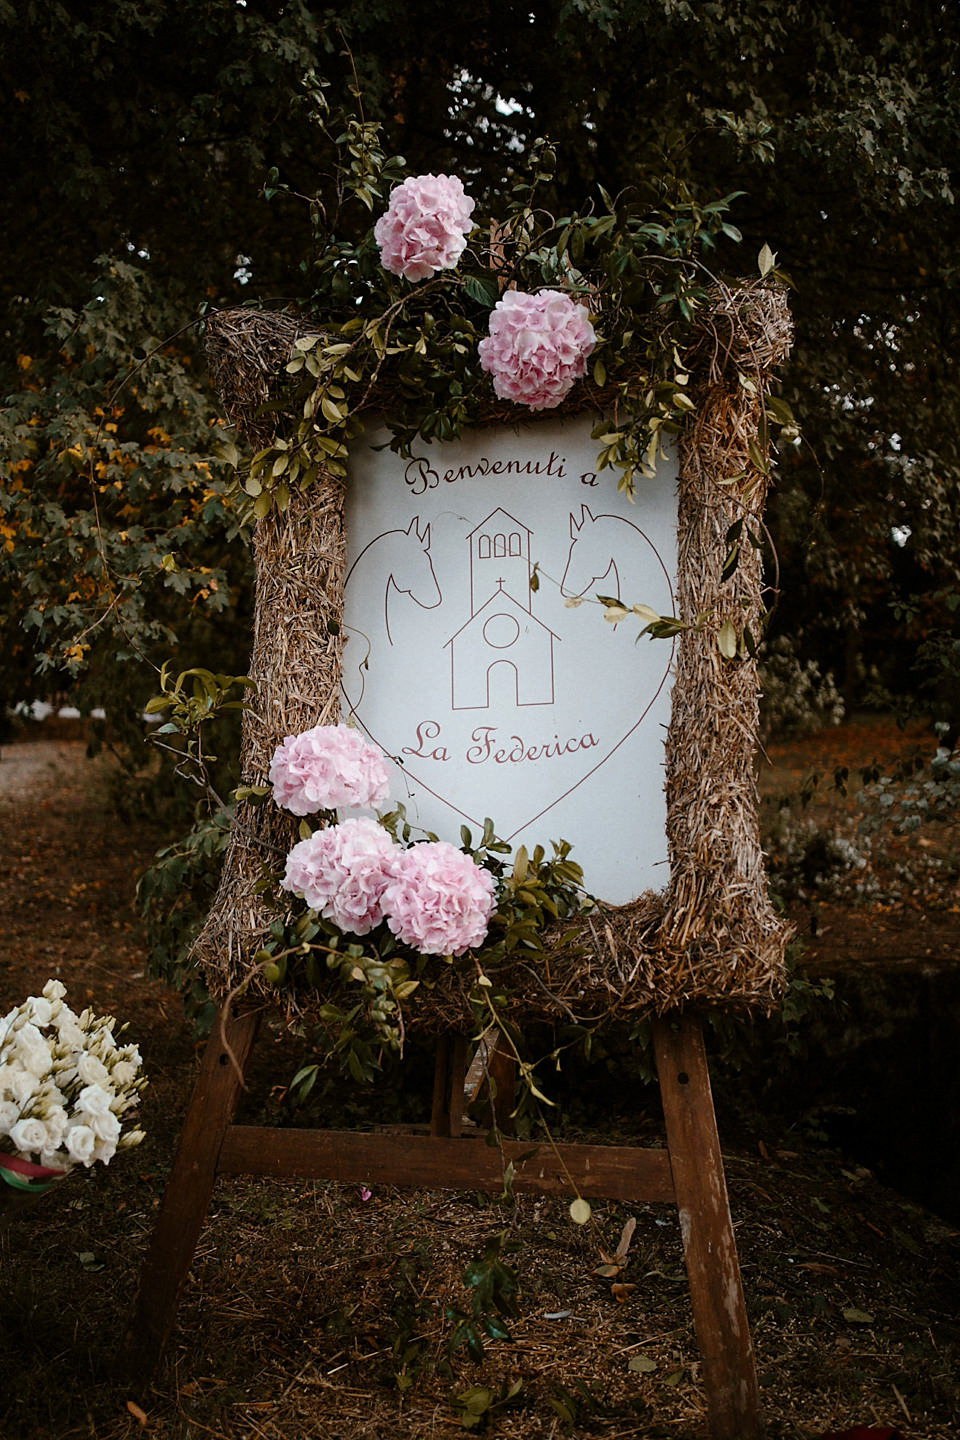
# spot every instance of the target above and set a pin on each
(187, 1196)
(713, 1267)
(446, 1118)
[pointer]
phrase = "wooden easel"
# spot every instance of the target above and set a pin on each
(687, 1173)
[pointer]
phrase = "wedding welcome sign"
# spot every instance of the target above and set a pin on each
(477, 655)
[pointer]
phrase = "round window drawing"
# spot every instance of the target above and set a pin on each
(501, 631)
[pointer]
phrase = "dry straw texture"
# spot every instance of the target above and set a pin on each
(712, 938)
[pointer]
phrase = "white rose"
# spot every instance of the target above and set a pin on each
(94, 1100)
(104, 1150)
(71, 1036)
(92, 1071)
(123, 1073)
(22, 1085)
(55, 990)
(33, 1051)
(9, 1115)
(106, 1127)
(55, 1122)
(80, 1141)
(39, 1010)
(29, 1135)
(54, 1160)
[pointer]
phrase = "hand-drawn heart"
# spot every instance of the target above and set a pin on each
(490, 698)
(477, 654)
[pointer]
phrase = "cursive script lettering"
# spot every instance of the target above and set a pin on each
(427, 732)
(420, 475)
(514, 751)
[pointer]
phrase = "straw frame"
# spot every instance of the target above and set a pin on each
(712, 938)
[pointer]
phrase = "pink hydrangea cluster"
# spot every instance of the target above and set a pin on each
(343, 871)
(326, 767)
(425, 226)
(433, 896)
(537, 347)
(439, 900)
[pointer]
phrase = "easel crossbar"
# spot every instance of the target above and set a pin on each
(687, 1173)
(608, 1172)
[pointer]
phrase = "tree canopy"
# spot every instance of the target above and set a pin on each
(135, 143)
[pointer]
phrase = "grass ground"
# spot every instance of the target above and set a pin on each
(315, 1310)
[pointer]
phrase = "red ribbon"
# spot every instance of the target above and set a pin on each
(23, 1175)
(27, 1168)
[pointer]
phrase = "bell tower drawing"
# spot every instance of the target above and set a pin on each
(499, 560)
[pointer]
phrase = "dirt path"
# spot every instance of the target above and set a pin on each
(67, 881)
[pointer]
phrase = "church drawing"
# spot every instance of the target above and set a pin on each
(502, 643)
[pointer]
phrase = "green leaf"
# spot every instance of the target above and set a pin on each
(642, 1364)
(496, 1329)
(476, 1400)
(731, 562)
(766, 260)
(857, 1317)
(758, 458)
(482, 291)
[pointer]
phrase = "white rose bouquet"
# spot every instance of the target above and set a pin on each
(66, 1086)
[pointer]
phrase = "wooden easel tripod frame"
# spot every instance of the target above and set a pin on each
(725, 944)
(688, 1172)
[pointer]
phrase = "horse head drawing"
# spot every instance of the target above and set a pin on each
(410, 566)
(593, 542)
(398, 563)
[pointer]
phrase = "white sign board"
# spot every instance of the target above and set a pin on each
(494, 699)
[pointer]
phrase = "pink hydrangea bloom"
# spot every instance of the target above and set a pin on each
(439, 900)
(537, 347)
(326, 767)
(342, 872)
(425, 226)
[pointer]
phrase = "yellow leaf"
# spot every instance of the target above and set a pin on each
(727, 640)
(766, 260)
(580, 1211)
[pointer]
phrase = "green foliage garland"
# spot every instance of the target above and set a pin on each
(411, 349)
